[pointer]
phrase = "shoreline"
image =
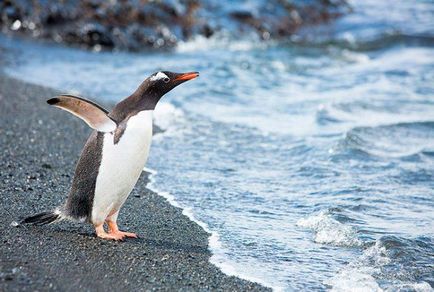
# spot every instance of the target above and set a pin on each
(40, 146)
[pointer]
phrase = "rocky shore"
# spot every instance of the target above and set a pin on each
(40, 146)
(140, 24)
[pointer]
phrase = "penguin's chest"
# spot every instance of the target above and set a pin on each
(122, 163)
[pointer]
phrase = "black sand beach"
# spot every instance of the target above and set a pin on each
(39, 148)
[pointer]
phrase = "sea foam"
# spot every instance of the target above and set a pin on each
(330, 231)
(219, 41)
(169, 119)
(360, 275)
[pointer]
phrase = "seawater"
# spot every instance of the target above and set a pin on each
(311, 163)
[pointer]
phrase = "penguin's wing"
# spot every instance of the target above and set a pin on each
(94, 115)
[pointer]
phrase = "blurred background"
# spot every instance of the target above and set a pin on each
(306, 147)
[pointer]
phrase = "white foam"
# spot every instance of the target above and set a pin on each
(168, 118)
(329, 231)
(219, 41)
(353, 280)
(355, 57)
(359, 274)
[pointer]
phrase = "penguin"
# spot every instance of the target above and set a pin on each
(113, 157)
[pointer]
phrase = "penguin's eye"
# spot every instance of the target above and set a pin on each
(166, 79)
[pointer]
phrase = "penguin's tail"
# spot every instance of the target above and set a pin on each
(43, 218)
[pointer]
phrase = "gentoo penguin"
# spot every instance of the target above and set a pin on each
(113, 156)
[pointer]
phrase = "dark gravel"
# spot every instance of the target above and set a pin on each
(39, 148)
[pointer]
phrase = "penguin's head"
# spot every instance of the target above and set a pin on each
(153, 88)
(163, 81)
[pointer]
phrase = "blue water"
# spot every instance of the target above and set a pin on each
(311, 162)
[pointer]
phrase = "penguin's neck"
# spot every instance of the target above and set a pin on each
(141, 100)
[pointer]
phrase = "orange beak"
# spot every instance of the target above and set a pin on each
(186, 76)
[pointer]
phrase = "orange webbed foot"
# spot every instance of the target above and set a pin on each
(110, 236)
(100, 232)
(124, 234)
(113, 229)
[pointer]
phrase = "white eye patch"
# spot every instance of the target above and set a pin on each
(158, 76)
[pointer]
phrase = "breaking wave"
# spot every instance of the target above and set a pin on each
(328, 230)
(396, 140)
(390, 264)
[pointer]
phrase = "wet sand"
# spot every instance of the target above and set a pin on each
(39, 148)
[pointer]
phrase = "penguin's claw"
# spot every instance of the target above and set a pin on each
(124, 234)
(111, 236)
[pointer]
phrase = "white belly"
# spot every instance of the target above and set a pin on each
(121, 165)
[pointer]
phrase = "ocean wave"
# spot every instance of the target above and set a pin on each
(353, 48)
(382, 41)
(395, 140)
(221, 41)
(169, 118)
(391, 264)
(330, 231)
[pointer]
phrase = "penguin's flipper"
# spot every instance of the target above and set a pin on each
(94, 115)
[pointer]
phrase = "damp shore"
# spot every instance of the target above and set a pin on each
(40, 147)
